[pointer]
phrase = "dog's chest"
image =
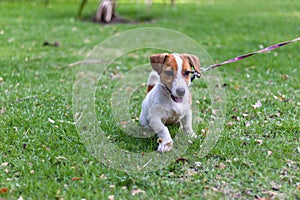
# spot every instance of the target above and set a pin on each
(175, 112)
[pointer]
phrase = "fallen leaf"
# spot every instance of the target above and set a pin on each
(190, 172)
(285, 76)
(236, 86)
(279, 98)
(58, 197)
(136, 191)
(245, 115)
(237, 118)
(221, 166)
(2, 110)
(3, 190)
(51, 120)
(61, 158)
(4, 164)
(198, 164)
(275, 186)
(123, 123)
(259, 141)
(103, 176)
(230, 123)
(76, 179)
(257, 104)
(182, 160)
(247, 124)
(112, 186)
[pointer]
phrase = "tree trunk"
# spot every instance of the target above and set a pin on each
(106, 11)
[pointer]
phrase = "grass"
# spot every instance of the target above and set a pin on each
(257, 155)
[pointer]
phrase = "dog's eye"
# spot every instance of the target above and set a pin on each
(186, 73)
(169, 73)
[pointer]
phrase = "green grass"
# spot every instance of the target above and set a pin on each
(38, 159)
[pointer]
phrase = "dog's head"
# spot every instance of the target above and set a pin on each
(175, 72)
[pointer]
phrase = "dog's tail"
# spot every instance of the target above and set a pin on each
(152, 80)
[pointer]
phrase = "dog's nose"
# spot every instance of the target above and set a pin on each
(180, 92)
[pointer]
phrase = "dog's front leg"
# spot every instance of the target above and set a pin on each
(156, 114)
(186, 124)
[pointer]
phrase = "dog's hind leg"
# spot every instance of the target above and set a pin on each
(152, 80)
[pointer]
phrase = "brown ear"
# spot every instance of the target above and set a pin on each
(157, 61)
(194, 62)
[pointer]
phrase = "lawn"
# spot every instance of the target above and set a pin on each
(42, 155)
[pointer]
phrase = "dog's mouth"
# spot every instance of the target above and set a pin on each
(174, 98)
(177, 99)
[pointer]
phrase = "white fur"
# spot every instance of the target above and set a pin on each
(158, 108)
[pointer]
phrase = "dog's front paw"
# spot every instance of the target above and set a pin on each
(192, 134)
(164, 146)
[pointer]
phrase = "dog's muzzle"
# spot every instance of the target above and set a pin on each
(180, 92)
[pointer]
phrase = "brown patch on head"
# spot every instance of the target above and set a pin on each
(186, 69)
(169, 71)
(165, 65)
(193, 61)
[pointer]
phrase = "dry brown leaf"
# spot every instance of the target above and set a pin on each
(220, 166)
(259, 141)
(3, 190)
(285, 76)
(76, 179)
(236, 86)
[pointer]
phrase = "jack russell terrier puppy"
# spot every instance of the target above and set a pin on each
(168, 100)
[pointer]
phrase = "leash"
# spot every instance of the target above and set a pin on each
(275, 46)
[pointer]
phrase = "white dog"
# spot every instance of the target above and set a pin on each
(168, 100)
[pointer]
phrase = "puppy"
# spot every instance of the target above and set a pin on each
(168, 100)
